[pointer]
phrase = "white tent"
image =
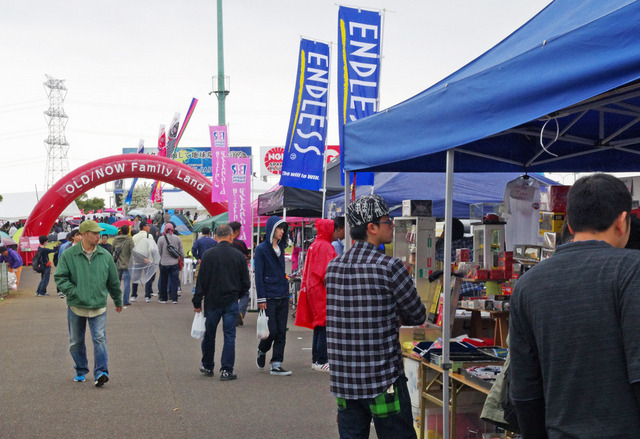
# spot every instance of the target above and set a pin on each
(19, 205)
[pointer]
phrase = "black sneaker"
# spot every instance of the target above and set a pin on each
(280, 371)
(261, 359)
(205, 371)
(225, 375)
(102, 378)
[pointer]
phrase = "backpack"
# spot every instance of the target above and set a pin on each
(38, 262)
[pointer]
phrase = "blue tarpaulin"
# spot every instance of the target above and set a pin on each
(571, 72)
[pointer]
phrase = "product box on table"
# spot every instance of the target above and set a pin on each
(527, 252)
(478, 211)
(550, 240)
(462, 255)
(551, 222)
(416, 207)
(554, 198)
(496, 273)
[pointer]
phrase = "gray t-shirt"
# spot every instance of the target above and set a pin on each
(575, 340)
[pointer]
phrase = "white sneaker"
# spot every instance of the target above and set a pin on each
(147, 299)
(322, 367)
(314, 366)
(132, 299)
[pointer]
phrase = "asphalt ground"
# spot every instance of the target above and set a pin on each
(155, 389)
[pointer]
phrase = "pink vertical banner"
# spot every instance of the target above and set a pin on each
(219, 167)
(239, 189)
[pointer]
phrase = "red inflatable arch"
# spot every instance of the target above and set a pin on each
(116, 167)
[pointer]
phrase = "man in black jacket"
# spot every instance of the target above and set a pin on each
(223, 278)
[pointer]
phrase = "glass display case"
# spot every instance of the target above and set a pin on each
(414, 244)
(488, 242)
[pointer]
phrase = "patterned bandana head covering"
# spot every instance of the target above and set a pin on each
(366, 209)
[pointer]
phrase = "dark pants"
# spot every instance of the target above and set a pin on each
(278, 313)
(148, 288)
(168, 282)
(44, 281)
(319, 345)
(354, 421)
(228, 314)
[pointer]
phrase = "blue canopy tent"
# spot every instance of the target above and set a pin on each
(467, 189)
(560, 94)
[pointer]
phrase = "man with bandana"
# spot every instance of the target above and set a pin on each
(369, 295)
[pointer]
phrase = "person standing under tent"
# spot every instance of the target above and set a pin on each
(224, 277)
(272, 287)
(86, 274)
(169, 265)
(122, 246)
(574, 324)
(369, 295)
(312, 304)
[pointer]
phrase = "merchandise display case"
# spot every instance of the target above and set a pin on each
(414, 244)
(488, 242)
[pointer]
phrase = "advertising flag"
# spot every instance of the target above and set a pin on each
(127, 201)
(173, 134)
(302, 163)
(359, 39)
(156, 192)
(219, 156)
(239, 189)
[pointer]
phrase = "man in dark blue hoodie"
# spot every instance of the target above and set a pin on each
(273, 293)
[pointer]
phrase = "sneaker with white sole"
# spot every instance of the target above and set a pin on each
(133, 298)
(147, 299)
(79, 378)
(322, 367)
(261, 360)
(206, 372)
(280, 371)
(162, 301)
(102, 378)
(226, 375)
(314, 366)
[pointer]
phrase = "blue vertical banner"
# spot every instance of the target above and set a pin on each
(359, 40)
(302, 162)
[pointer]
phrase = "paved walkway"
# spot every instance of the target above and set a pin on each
(155, 389)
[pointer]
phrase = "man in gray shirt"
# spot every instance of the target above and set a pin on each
(575, 325)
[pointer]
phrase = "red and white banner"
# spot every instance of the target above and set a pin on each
(331, 151)
(162, 152)
(239, 189)
(219, 160)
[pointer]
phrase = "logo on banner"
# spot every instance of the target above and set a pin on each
(273, 160)
(238, 173)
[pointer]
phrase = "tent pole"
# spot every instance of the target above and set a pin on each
(347, 229)
(446, 288)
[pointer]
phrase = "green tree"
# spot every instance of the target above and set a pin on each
(140, 197)
(86, 204)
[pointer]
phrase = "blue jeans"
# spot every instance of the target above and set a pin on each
(319, 345)
(354, 421)
(168, 281)
(77, 347)
(228, 314)
(148, 288)
(124, 274)
(243, 303)
(44, 281)
(278, 313)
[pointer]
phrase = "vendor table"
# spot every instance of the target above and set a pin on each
(501, 325)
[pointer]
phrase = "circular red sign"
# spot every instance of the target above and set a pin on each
(273, 160)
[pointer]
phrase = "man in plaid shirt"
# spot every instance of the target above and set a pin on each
(369, 295)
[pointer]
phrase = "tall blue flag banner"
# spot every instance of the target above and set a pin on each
(359, 39)
(135, 180)
(302, 162)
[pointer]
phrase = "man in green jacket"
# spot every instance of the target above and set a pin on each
(86, 273)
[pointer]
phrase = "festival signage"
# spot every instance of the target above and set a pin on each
(140, 150)
(302, 162)
(271, 160)
(219, 155)
(238, 184)
(359, 39)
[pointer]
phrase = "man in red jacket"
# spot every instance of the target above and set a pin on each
(312, 305)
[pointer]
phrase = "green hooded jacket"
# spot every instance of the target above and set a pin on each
(86, 284)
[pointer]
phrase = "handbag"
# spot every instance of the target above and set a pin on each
(172, 250)
(198, 326)
(262, 327)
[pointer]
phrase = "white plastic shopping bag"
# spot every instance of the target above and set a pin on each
(262, 330)
(198, 328)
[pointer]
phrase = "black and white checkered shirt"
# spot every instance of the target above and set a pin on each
(368, 294)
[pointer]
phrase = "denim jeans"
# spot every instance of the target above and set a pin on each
(148, 287)
(319, 345)
(123, 273)
(278, 313)
(44, 281)
(243, 303)
(168, 282)
(228, 314)
(354, 421)
(77, 347)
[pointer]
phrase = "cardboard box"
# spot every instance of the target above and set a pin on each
(551, 222)
(554, 198)
(416, 207)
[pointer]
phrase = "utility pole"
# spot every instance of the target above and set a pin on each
(56, 143)
(221, 82)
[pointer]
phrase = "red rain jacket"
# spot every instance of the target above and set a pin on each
(312, 302)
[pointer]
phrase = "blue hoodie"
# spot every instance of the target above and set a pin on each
(271, 280)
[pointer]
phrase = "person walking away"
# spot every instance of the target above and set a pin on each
(238, 244)
(86, 274)
(13, 260)
(43, 253)
(169, 260)
(338, 235)
(573, 327)
(122, 246)
(104, 243)
(312, 304)
(144, 233)
(273, 293)
(201, 245)
(369, 295)
(224, 277)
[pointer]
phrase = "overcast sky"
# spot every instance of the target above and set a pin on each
(130, 65)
